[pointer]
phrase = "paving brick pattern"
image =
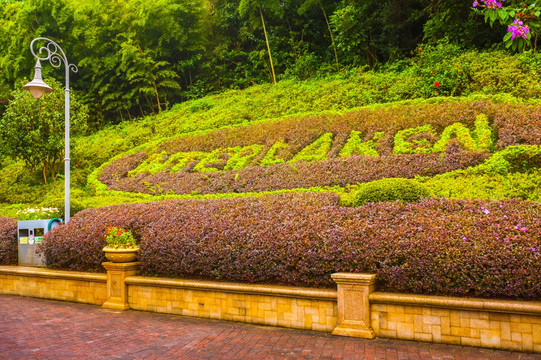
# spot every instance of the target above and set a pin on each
(43, 329)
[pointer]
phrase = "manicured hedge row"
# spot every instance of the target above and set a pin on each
(8, 241)
(447, 247)
(333, 172)
(512, 124)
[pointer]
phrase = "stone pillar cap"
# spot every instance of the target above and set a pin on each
(354, 278)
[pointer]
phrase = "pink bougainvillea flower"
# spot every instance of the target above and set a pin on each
(518, 29)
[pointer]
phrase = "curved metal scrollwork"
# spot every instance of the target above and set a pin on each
(54, 54)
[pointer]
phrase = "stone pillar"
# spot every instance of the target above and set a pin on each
(117, 291)
(353, 306)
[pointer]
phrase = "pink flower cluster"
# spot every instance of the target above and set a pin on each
(491, 4)
(518, 29)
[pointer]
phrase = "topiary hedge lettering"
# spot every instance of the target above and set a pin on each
(476, 248)
(8, 241)
(326, 150)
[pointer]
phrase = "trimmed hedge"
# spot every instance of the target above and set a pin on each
(166, 170)
(333, 172)
(436, 246)
(391, 189)
(9, 251)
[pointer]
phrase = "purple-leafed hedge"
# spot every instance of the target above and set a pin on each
(437, 246)
(8, 241)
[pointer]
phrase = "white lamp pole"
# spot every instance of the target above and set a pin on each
(55, 55)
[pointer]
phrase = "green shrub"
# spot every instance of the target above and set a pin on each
(461, 185)
(18, 184)
(517, 158)
(417, 146)
(356, 146)
(391, 189)
(316, 151)
(499, 72)
(440, 64)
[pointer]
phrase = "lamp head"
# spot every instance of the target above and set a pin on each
(37, 86)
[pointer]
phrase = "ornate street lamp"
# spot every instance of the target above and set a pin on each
(55, 55)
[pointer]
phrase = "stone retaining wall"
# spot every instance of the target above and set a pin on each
(87, 288)
(494, 324)
(299, 308)
(354, 309)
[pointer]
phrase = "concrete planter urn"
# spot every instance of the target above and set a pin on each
(121, 246)
(121, 255)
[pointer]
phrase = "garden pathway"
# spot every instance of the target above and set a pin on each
(45, 329)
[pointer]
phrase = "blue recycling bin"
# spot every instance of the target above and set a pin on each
(30, 233)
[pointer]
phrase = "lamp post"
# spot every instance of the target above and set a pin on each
(55, 55)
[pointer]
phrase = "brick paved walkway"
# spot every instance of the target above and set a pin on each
(44, 329)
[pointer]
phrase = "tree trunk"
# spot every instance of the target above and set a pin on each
(332, 37)
(157, 95)
(44, 174)
(268, 46)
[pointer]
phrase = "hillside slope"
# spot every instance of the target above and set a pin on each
(405, 85)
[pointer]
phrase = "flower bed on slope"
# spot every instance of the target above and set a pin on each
(320, 150)
(8, 241)
(436, 246)
(333, 172)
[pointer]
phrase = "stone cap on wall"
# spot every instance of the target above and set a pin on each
(53, 274)
(354, 278)
(504, 306)
(285, 291)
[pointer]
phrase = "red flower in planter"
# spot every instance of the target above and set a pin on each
(437, 84)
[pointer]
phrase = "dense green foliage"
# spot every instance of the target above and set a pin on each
(32, 130)
(140, 57)
(373, 102)
(389, 189)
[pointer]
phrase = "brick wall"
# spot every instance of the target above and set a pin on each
(499, 324)
(290, 307)
(472, 322)
(85, 288)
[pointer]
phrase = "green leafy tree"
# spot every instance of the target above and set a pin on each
(253, 9)
(523, 20)
(33, 130)
(137, 52)
(307, 4)
(134, 56)
(372, 31)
